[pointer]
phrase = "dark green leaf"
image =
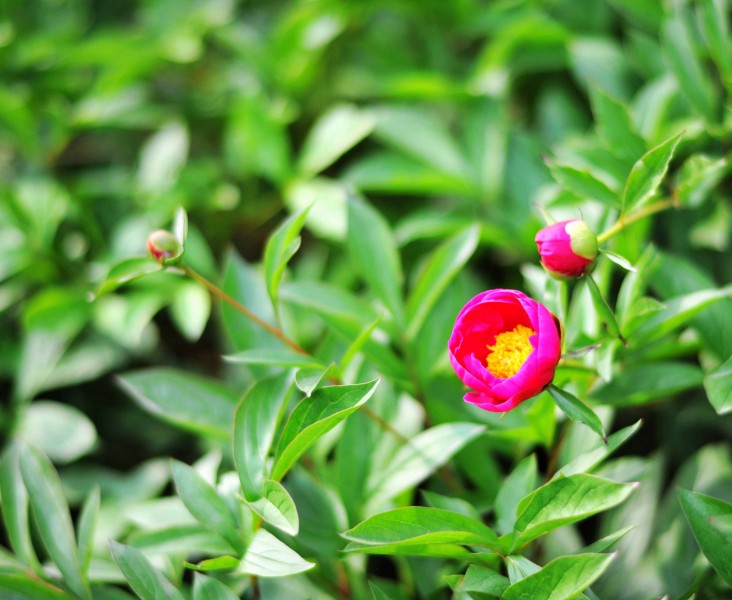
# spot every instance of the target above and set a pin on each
(192, 402)
(205, 504)
(315, 416)
(561, 579)
(147, 582)
(584, 184)
(565, 500)
(703, 513)
(594, 456)
(267, 556)
(483, 581)
(372, 246)
(51, 514)
(647, 174)
(577, 410)
(604, 312)
(718, 385)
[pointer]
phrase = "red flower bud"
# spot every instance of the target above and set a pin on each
(164, 247)
(567, 248)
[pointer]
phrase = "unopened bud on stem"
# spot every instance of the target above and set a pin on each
(164, 247)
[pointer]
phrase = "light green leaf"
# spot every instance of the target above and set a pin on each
(335, 132)
(441, 268)
(718, 385)
(308, 379)
(255, 423)
(51, 514)
(180, 225)
(713, 18)
(147, 582)
(584, 184)
(594, 456)
(127, 271)
(697, 177)
(703, 514)
(607, 543)
(60, 431)
(565, 500)
(373, 249)
(28, 587)
(205, 504)
(277, 507)
(267, 556)
(313, 417)
(647, 174)
(326, 200)
(519, 483)
(377, 593)
(604, 312)
(86, 527)
(561, 579)
(418, 526)
(419, 457)
(619, 260)
(208, 588)
(577, 410)
(615, 127)
(220, 563)
(281, 247)
(190, 309)
(483, 581)
(275, 357)
(203, 406)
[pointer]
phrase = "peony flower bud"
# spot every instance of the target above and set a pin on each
(164, 247)
(567, 248)
(505, 346)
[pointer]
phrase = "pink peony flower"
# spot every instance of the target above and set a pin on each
(505, 346)
(567, 248)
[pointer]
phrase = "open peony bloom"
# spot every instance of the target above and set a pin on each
(505, 346)
(567, 248)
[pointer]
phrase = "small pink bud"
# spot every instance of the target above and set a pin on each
(567, 248)
(164, 247)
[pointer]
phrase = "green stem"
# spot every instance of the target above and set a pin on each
(641, 214)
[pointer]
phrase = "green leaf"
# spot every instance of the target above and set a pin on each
(604, 312)
(615, 127)
(565, 500)
(647, 174)
(594, 456)
(561, 579)
(441, 268)
(519, 483)
(146, 581)
(191, 402)
(255, 423)
(678, 311)
(313, 417)
(607, 543)
(208, 588)
(419, 457)
(281, 247)
(276, 357)
(377, 593)
(619, 260)
(60, 431)
(205, 504)
(584, 184)
(335, 132)
(15, 507)
(372, 246)
(483, 581)
(267, 556)
(713, 18)
(682, 57)
(718, 385)
(220, 563)
(418, 526)
(190, 309)
(180, 225)
(704, 514)
(697, 177)
(326, 200)
(277, 507)
(51, 514)
(28, 587)
(127, 271)
(577, 410)
(86, 527)
(308, 379)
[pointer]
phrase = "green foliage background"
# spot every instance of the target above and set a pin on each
(353, 173)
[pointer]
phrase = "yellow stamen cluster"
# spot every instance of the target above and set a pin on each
(509, 352)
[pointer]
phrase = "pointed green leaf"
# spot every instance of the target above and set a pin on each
(713, 18)
(561, 579)
(647, 174)
(377, 593)
(267, 556)
(484, 581)
(594, 456)
(276, 357)
(615, 127)
(606, 314)
(419, 525)
(127, 271)
(307, 379)
(704, 513)
(208, 588)
(220, 563)
(718, 385)
(315, 416)
(205, 504)
(281, 247)
(277, 507)
(577, 410)
(519, 483)
(51, 513)
(86, 527)
(441, 268)
(19, 586)
(619, 260)
(373, 249)
(147, 582)
(566, 500)
(584, 184)
(191, 402)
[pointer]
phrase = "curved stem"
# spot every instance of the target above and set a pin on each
(644, 212)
